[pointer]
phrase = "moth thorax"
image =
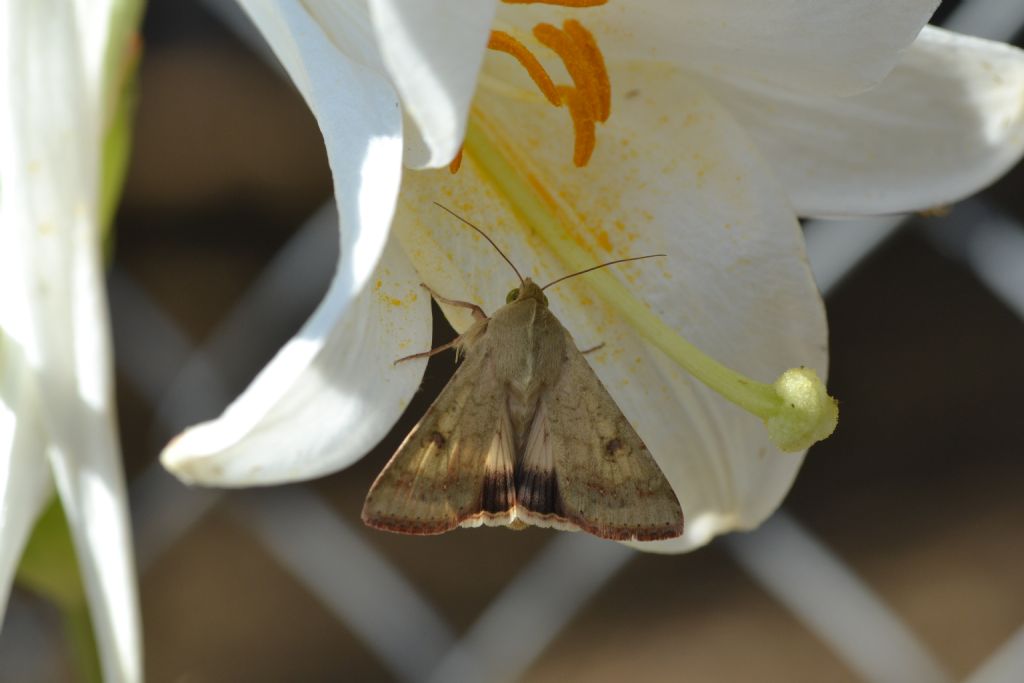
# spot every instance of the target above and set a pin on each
(528, 290)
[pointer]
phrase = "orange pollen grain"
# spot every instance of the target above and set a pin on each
(503, 42)
(560, 3)
(456, 162)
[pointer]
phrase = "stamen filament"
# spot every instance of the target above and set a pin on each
(534, 206)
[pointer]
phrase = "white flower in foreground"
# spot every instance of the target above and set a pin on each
(58, 86)
(700, 129)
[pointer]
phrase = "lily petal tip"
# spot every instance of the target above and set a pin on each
(187, 456)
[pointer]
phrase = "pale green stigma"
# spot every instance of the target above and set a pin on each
(805, 413)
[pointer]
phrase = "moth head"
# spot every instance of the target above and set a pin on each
(528, 290)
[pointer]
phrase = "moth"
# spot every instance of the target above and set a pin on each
(523, 434)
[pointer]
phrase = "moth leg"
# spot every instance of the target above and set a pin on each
(431, 352)
(478, 313)
(593, 348)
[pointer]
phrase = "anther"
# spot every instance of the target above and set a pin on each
(456, 162)
(503, 42)
(583, 75)
(582, 125)
(593, 59)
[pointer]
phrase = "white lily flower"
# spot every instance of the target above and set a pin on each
(699, 129)
(57, 63)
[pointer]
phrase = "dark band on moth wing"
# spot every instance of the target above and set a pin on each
(498, 494)
(537, 491)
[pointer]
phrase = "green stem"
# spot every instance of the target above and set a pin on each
(49, 567)
(82, 642)
(535, 210)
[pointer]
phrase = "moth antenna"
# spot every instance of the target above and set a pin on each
(609, 263)
(507, 259)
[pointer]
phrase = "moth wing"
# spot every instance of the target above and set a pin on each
(456, 466)
(584, 466)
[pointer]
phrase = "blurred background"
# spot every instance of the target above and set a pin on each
(898, 556)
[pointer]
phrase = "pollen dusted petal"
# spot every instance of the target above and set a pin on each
(676, 175)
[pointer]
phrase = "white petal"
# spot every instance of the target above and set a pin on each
(25, 483)
(947, 121)
(358, 114)
(433, 50)
(345, 24)
(672, 173)
(821, 46)
(85, 457)
(328, 396)
(51, 125)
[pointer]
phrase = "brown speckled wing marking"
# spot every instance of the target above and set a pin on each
(586, 467)
(455, 467)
